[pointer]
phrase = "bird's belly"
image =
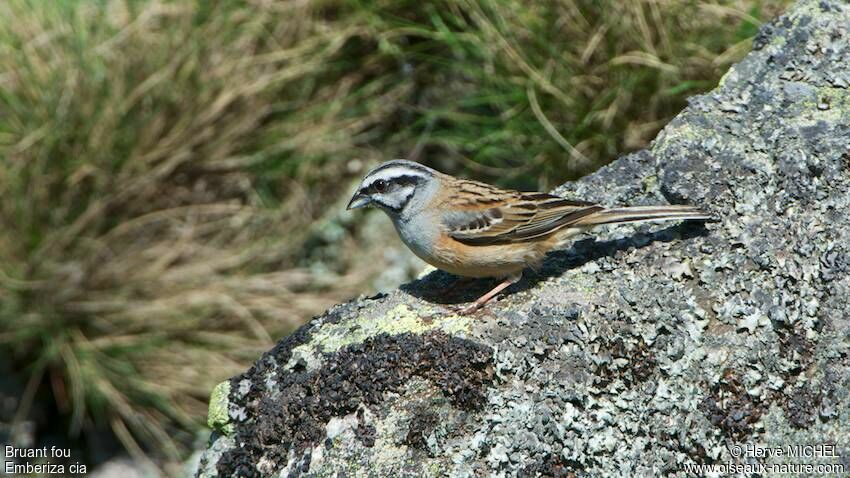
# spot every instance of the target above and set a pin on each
(481, 261)
(443, 252)
(492, 263)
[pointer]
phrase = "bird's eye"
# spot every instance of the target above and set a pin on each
(381, 186)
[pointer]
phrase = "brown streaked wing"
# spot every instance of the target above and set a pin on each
(495, 216)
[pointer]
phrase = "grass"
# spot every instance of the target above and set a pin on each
(169, 169)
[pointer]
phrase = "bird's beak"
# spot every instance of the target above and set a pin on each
(359, 200)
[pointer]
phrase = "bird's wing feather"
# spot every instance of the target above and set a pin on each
(493, 216)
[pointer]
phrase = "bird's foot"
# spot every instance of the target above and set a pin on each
(484, 299)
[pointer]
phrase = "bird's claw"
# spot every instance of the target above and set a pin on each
(469, 309)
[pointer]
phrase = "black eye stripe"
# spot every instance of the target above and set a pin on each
(405, 180)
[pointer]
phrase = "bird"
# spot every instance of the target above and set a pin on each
(475, 230)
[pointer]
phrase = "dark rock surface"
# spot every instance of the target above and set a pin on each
(636, 351)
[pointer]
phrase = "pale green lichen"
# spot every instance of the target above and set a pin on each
(399, 320)
(833, 101)
(777, 42)
(217, 416)
(435, 468)
(580, 282)
(723, 78)
(650, 183)
(683, 132)
(804, 10)
(827, 104)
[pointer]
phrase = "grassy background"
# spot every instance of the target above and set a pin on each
(172, 172)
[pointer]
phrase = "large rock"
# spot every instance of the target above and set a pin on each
(637, 352)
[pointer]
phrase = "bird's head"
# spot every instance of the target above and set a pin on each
(392, 186)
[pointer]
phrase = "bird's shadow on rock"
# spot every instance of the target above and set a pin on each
(440, 287)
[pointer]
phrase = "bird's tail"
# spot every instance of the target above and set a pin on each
(642, 214)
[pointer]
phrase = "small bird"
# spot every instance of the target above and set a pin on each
(473, 229)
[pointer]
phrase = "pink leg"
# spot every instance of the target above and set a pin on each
(513, 279)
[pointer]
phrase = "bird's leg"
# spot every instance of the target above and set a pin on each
(481, 301)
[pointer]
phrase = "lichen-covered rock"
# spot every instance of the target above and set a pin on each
(634, 352)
